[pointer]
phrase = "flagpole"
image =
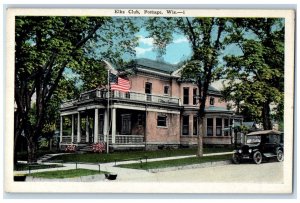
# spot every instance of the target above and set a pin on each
(107, 134)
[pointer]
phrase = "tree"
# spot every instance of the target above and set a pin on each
(45, 48)
(205, 36)
(258, 73)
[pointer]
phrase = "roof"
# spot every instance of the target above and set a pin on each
(156, 65)
(266, 132)
(165, 69)
(213, 90)
(217, 109)
(249, 124)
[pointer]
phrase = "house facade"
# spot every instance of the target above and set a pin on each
(160, 110)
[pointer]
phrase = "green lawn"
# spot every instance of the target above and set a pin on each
(176, 162)
(25, 167)
(72, 173)
(23, 156)
(128, 155)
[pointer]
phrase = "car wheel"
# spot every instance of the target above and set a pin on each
(257, 157)
(236, 159)
(279, 155)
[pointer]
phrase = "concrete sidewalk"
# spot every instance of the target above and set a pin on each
(111, 166)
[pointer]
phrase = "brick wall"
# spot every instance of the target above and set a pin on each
(175, 88)
(138, 84)
(168, 135)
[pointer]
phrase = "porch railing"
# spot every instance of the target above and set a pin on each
(68, 103)
(129, 139)
(120, 139)
(125, 139)
(133, 96)
(144, 97)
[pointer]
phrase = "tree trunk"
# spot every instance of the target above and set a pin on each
(31, 148)
(267, 124)
(200, 138)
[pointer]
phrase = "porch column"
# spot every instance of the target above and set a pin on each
(72, 129)
(105, 127)
(191, 125)
(78, 128)
(214, 126)
(96, 126)
(61, 129)
(222, 127)
(113, 126)
(87, 133)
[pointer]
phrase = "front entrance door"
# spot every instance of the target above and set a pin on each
(126, 124)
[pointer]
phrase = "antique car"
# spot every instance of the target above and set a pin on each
(259, 146)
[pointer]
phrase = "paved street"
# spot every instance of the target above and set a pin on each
(271, 172)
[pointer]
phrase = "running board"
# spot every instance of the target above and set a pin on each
(268, 155)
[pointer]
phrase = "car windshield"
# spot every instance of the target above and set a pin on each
(253, 139)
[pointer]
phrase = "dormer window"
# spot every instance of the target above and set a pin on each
(212, 101)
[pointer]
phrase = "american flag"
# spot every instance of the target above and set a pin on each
(120, 84)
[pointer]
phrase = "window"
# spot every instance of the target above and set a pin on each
(148, 88)
(140, 119)
(226, 125)
(185, 125)
(212, 101)
(162, 121)
(209, 127)
(185, 95)
(195, 125)
(274, 139)
(166, 89)
(195, 96)
(219, 126)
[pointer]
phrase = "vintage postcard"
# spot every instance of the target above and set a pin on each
(149, 101)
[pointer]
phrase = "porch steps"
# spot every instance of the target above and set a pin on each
(86, 148)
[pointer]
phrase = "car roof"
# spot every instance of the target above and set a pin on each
(266, 132)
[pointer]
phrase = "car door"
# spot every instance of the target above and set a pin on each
(270, 144)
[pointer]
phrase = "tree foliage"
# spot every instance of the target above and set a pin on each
(256, 77)
(45, 48)
(206, 37)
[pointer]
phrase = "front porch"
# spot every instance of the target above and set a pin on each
(83, 128)
(121, 142)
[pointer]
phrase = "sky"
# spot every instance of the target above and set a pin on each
(176, 51)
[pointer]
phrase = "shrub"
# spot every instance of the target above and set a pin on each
(99, 147)
(70, 148)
